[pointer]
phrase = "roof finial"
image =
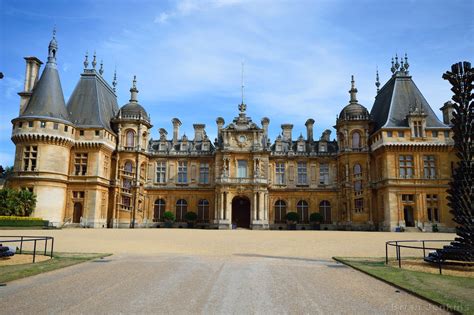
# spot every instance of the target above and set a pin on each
(101, 70)
(54, 31)
(86, 61)
(114, 82)
(377, 81)
(406, 63)
(52, 48)
(353, 91)
(133, 90)
(393, 67)
(397, 65)
(94, 61)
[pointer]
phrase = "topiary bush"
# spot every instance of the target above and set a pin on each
(292, 217)
(190, 216)
(169, 216)
(316, 217)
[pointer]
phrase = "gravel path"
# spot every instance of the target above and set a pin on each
(238, 284)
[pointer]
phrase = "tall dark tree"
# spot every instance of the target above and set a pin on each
(461, 192)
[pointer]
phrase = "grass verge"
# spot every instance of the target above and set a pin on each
(59, 260)
(451, 292)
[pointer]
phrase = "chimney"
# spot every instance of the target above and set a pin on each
(265, 123)
(33, 66)
(309, 129)
(199, 132)
(447, 110)
(286, 128)
(220, 123)
(176, 124)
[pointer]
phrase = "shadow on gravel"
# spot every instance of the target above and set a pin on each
(328, 263)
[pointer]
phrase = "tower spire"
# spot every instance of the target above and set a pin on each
(377, 80)
(52, 48)
(353, 91)
(114, 82)
(242, 106)
(133, 90)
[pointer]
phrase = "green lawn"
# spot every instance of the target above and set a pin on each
(457, 293)
(60, 260)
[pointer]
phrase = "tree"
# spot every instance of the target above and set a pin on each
(26, 203)
(461, 194)
(16, 202)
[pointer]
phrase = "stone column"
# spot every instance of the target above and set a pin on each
(261, 207)
(221, 206)
(254, 206)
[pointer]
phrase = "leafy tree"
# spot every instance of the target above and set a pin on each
(16, 202)
(26, 202)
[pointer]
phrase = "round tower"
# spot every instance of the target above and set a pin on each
(43, 136)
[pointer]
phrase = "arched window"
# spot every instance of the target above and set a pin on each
(128, 167)
(325, 210)
(158, 210)
(130, 138)
(181, 209)
(203, 210)
(280, 211)
(357, 170)
(355, 140)
(302, 208)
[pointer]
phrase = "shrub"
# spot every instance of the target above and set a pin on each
(169, 216)
(316, 217)
(16, 202)
(190, 216)
(292, 217)
(15, 221)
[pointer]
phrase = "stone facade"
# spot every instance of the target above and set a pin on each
(94, 164)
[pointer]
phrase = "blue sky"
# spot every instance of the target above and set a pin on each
(187, 54)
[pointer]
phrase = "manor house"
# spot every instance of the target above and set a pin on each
(93, 162)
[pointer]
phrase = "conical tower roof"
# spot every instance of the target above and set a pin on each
(47, 99)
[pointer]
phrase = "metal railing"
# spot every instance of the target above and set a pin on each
(33, 239)
(422, 246)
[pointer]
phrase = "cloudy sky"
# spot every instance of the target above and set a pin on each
(187, 54)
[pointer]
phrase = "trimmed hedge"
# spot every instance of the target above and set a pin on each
(15, 221)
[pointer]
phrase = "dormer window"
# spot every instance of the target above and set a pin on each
(417, 129)
(279, 147)
(301, 147)
(323, 147)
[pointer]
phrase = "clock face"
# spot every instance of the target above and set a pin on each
(242, 138)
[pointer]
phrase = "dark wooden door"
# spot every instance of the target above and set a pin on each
(76, 217)
(241, 212)
(408, 213)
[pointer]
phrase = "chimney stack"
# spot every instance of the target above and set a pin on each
(176, 124)
(199, 132)
(220, 123)
(286, 130)
(265, 123)
(309, 130)
(33, 66)
(447, 111)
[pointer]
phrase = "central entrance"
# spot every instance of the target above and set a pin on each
(241, 212)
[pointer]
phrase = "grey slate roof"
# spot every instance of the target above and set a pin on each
(394, 101)
(133, 109)
(47, 99)
(93, 103)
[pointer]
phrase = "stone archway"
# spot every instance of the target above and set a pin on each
(241, 212)
(77, 214)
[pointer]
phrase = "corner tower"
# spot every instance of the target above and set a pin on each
(43, 136)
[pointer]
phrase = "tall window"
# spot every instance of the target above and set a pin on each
(325, 210)
(158, 210)
(302, 209)
(126, 203)
(80, 164)
(432, 208)
(241, 168)
(358, 187)
(302, 173)
(355, 140)
(359, 204)
(280, 211)
(161, 172)
(417, 128)
(429, 166)
(130, 138)
(357, 170)
(30, 154)
(280, 173)
(128, 167)
(203, 210)
(181, 209)
(406, 166)
(204, 173)
(126, 184)
(106, 166)
(182, 172)
(323, 174)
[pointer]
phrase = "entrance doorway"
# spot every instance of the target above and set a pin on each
(241, 212)
(408, 214)
(77, 214)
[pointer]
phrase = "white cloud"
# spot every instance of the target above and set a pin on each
(162, 18)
